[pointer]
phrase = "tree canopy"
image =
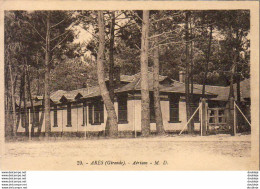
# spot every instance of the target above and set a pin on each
(25, 35)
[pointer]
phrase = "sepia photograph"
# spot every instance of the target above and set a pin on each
(129, 89)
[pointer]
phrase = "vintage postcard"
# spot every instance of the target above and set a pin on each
(124, 85)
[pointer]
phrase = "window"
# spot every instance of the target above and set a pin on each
(194, 105)
(152, 110)
(55, 116)
(221, 116)
(90, 113)
(96, 113)
(211, 116)
(25, 118)
(68, 115)
(122, 109)
(37, 116)
(174, 108)
(84, 114)
(216, 116)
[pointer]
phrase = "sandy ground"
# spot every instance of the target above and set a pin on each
(218, 152)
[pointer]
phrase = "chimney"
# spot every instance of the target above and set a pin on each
(117, 75)
(86, 84)
(182, 76)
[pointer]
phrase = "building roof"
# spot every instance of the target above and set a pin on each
(244, 89)
(91, 92)
(179, 87)
(133, 84)
(223, 92)
(56, 96)
(219, 93)
(136, 83)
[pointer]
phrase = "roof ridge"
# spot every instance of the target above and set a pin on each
(200, 84)
(193, 86)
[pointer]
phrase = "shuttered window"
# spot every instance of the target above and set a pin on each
(69, 115)
(122, 109)
(90, 113)
(102, 112)
(37, 116)
(96, 113)
(174, 108)
(152, 110)
(55, 116)
(25, 118)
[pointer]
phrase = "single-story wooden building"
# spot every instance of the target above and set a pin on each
(82, 112)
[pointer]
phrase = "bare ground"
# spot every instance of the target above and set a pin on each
(216, 152)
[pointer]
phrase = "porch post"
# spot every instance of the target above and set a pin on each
(204, 117)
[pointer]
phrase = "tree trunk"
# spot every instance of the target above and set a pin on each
(38, 74)
(47, 80)
(7, 110)
(25, 106)
(231, 116)
(20, 100)
(41, 121)
(238, 67)
(157, 103)
(111, 58)
(231, 89)
(111, 65)
(145, 102)
(8, 126)
(191, 60)
(238, 88)
(207, 63)
(238, 70)
(31, 100)
(187, 78)
(191, 74)
(113, 127)
(13, 102)
(238, 79)
(191, 71)
(231, 97)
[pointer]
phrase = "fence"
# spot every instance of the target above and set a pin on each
(218, 119)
